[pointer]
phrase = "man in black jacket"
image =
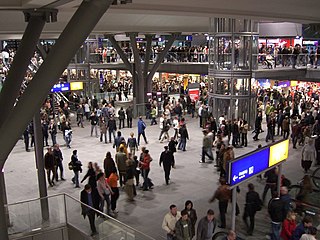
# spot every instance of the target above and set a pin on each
(277, 211)
(89, 197)
(167, 159)
(129, 113)
(253, 202)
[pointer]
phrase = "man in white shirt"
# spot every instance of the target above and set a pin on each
(170, 220)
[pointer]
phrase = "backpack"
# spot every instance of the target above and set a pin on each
(258, 204)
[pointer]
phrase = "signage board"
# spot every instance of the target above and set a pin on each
(278, 152)
(248, 166)
(256, 162)
(61, 87)
(194, 94)
(76, 86)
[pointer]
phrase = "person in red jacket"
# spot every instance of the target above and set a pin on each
(288, 226)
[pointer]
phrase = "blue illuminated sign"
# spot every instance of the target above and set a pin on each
(248, 166)
(61, 87)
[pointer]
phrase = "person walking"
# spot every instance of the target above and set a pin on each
(308, 155)
(91, 174)
(145, 169)
(271, 182)
(103, 129)
(183, 137)
(206, 147)
(192, 214)
(104, 191)
(167, 161)
(76, 167)
(223, 194)
(58, 161)
(141, 130)
(206, 226)
(89, 197)
(170, 220)
(130, 171)
(276, 211)
(49, 164)
(252, 205)
(183, 228)
(80, 114)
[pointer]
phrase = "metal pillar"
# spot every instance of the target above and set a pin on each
(122, 55)
(4, 223)
(11, 86)
(38, 142)
(147, 57)
(279, 179)
(160, 59)
(139, 80)
(62, 52)
(234, 205)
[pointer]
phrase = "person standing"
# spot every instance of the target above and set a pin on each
(112, 180)
(94, 122)
(53, 132)
(170, 220)
(130, 171)
(183, 227)
(302, 228)
(103, 129)
(132, 144)
(223, 194)
(104, 191)
(80, 113)
(141, 130)
(76, 167)
(285, 127)
(311, 235)
(244, 133)
(153, 115)
(192, 214)
(58, 160)
(167, 160)
(206, 226)
(91, 174)
(26, 139)
(122, 117)
(108, 164)
(253, 203)
(288, 226)
(121, 159)
(257, 126)
(271, 182)
(129, 113)
(308, 155)
(49, 164)
(112, 128)
(89, 197)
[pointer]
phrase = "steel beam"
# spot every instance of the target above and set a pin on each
(11, 86)
(147, 57)
(160, 59)
(120, 52)
(38, 143)
(49, 72)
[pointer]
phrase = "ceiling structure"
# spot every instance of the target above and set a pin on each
(159, 16)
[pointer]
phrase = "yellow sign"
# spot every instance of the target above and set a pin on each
(76, 86)
(278, 152)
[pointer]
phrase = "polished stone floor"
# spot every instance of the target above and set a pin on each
(190, 180)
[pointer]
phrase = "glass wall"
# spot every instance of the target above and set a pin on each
(233, 47)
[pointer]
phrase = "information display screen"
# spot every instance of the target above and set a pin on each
(248, 166)
(278, 152)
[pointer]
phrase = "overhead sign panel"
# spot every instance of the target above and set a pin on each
(61, 87)
(76, 86)
(248, 166)
(278, 152)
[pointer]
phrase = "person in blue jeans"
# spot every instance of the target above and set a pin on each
(141, 130)
(183, 137)
(277, 212)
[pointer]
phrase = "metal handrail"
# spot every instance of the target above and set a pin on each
(64, 195)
